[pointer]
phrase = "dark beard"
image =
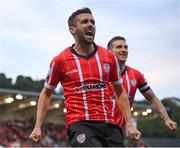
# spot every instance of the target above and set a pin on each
(83, 40)
(87, 42)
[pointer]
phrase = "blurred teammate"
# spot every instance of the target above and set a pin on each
(84, 70)
(133, 80)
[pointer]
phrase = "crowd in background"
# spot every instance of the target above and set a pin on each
(15, 134)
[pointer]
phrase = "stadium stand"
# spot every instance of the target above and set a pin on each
(15, 134)
(17, 118)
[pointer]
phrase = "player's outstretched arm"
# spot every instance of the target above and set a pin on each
(124, 107)
(43, 103)
(157, 104)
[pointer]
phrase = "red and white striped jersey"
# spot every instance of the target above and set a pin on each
(85, 82)
(132, 79)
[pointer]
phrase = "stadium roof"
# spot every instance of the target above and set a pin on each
(22, 105)
(26, 93)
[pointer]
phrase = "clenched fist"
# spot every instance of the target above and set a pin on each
(35, 135)
(171, 124)
(135, 134)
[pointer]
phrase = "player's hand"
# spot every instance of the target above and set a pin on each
(134, 133)
(35, 135)
(171, 124)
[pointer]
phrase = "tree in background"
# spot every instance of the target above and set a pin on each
(24, 83)
(21, 83)
(5, 82)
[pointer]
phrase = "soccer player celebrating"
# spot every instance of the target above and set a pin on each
(85, 70)
(133, 80)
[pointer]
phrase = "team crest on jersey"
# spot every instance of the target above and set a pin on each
(81, 138)
(133, 82)
(106, 67)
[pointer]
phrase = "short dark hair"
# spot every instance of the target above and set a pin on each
(77, 12)
(114, 39)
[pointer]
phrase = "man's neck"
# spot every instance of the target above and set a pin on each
(83, 49)
(122, 66)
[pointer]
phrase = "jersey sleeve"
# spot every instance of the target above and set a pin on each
(115, 77)
(142, 85)
(53, 76)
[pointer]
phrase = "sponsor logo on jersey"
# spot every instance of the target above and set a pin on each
(81, 138)
(94, 86)
(91, 86)
(106, 67)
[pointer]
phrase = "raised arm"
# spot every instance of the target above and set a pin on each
(157, 104)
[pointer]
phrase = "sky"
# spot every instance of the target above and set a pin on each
(32, 32)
